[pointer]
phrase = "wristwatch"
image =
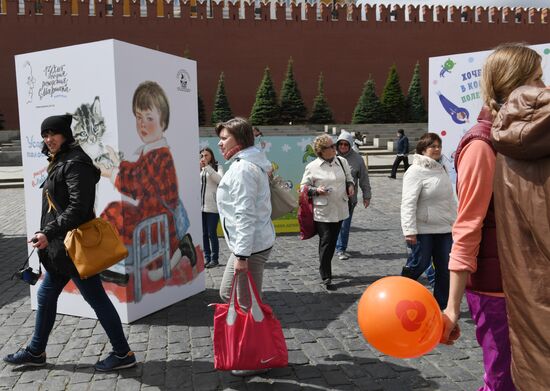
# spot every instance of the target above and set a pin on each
(242, 259)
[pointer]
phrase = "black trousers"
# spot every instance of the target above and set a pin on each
(399, 159)
(328, 235)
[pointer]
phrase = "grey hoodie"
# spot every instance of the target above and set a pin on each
(358, 169)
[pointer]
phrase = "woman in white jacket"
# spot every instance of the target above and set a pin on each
(428, 211)
(244, 204)
(329, 182)
(211, 175)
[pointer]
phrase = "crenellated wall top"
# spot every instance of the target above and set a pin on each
(296, 10)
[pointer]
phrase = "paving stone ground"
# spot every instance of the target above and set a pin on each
(174, 346)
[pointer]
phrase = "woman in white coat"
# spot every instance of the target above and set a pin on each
(244, 204)
(428, 211)
(211, 175)
(329, 182)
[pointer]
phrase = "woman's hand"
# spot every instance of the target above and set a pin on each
(39, 241)
(410, 239)
(241, 266)
(351, 190)
(451, 330)
(322, 190)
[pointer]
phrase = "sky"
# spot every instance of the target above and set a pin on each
(482, 3)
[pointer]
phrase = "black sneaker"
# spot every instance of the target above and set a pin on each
(392, 177)
(211, 264)
(26, 358)
(114, 362)
(327, 284)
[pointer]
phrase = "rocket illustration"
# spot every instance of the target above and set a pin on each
(458, 114)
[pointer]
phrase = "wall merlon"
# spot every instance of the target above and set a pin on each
(161, 9)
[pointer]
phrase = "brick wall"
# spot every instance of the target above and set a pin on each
(347, 50)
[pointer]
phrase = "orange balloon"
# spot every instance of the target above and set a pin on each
(400, 317)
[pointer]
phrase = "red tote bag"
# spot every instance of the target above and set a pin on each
(305, 215)
(247, 340)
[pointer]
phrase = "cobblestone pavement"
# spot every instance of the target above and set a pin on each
(174, 346)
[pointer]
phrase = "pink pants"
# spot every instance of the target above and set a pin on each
(489, 315)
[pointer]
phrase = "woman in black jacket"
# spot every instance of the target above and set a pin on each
(67, 202)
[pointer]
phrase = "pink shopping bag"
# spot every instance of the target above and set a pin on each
(247, 340)
(305, 215)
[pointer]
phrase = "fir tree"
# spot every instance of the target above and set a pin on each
(265, 110)
(393, 101)
(292, 106)
(368, 109)
(320, 113)
(222, 110)
(415, 101)
(202, 112)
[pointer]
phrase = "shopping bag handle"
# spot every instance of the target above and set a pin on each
(255, 309)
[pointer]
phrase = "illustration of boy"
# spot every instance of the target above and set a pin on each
(150, 181)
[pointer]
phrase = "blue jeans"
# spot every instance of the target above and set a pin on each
(433, 249)
(342, 242)
(92, 291)
(210, 236)
(412, 263)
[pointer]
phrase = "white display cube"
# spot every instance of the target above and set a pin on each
(149, 189)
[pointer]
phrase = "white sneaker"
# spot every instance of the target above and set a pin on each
(248, 372)
(343, 255)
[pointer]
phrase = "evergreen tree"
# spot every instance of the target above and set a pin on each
(202, 112)
(187, 53)
(292, 106)
(265, 110)
(320, 113)
(393, 101)
(369, 108)
(415, 101)
(222, 110)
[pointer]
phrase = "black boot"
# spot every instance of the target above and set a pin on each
(188, 249)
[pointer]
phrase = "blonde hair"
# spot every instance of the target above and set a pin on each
(508, 67)
(321, 142)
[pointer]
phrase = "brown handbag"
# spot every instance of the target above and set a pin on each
(283, 199)
(94, 246)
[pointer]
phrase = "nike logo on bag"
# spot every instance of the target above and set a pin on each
(266, 361)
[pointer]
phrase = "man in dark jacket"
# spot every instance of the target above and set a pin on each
(68, 198)
(402, 153)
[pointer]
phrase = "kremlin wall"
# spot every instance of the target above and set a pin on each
(347, 43)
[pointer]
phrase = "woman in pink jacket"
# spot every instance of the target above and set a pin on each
(474, 262)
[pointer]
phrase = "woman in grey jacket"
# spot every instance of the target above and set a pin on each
(428, 211)
(360, 176)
